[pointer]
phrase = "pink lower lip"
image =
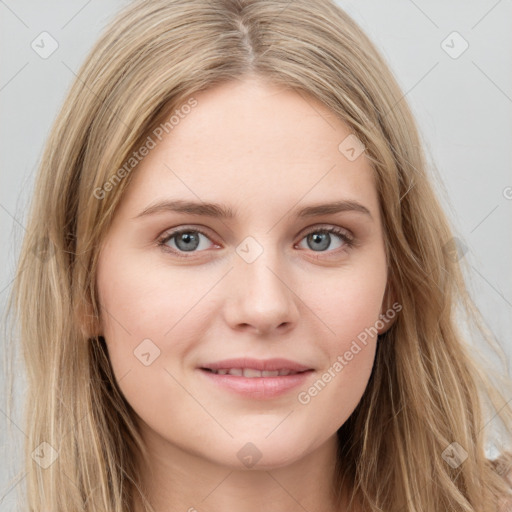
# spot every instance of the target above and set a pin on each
(259, 388)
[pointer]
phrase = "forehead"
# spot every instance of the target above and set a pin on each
(255, 121)
(250, 139)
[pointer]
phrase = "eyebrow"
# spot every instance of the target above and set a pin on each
(216, 210)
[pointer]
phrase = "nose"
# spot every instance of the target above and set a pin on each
(261, 298)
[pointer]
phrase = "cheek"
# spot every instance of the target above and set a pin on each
(144, 323)
(142, 301)
(349, 308)
(350, 312)
(151, 320)
(333, 396)
(349, 302)
(130, 308)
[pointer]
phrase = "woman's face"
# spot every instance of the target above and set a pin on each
(262, 283)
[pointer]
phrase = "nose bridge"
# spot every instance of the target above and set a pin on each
(260, 291)
(257, 263)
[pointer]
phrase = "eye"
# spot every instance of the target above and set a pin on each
(189, 240)
(186, 240)
(319, 239)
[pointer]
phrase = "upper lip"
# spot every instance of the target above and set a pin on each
(257, 364)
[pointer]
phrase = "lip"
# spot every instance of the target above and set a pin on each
(258, 388)
(258, 364)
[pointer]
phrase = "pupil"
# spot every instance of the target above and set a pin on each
(321, 240)
(187, 242)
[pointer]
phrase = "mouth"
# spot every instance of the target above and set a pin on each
(253, 384)
(252, 373)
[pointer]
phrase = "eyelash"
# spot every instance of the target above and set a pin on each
(347, 240)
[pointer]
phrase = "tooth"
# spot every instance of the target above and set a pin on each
(252, 373)
(249, 372)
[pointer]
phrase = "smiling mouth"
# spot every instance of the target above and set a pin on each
(252, 373)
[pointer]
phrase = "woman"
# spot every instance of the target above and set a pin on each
(237, 288)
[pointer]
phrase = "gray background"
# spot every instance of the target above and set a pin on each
(463, 106)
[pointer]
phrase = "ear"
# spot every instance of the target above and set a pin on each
(390, 308)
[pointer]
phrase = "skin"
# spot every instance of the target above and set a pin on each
(264, 151)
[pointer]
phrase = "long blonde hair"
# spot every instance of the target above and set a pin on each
(426, 391)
